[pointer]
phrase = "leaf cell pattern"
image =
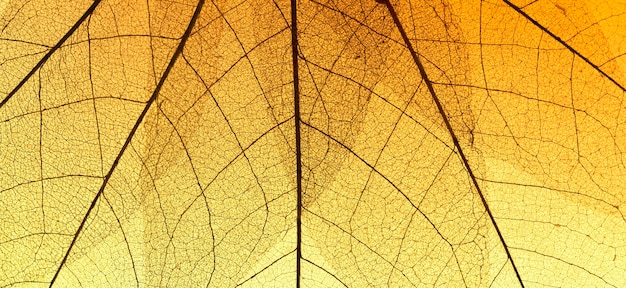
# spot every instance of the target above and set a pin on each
(312, 143)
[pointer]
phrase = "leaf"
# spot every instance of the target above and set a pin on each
(410, 143)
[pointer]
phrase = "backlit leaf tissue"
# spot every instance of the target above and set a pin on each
(312, 143)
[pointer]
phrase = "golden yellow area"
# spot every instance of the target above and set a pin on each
(153, 143)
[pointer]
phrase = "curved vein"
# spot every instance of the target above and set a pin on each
(178, 51)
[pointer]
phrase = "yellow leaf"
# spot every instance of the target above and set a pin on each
(312, 143)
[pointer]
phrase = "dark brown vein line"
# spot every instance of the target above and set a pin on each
(232, 130)
(177, 53)
(42, 189)
(327, 272)
(372, 168)
(246, 54)
(431, 89)
(347, 16)
(197, 178)
(49, 54)
(576, 193)
(25, 42)
(225, 72)
(68, 104)
(230, 163)
(296, 99)
(93, 94)
(497, 275)
(395, 261)
(126, 242)
(563, 261)
(226, 234)
(426, 129)
(42, 234)
(558, 39)
(22, 282)
(352, 236)
(47, 179)
(264, 268)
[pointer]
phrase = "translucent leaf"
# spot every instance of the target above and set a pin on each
(312, 143)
